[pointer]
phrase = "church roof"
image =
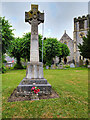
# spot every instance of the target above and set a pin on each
(65, 36)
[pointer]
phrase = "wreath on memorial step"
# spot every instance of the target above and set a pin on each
(35, 90)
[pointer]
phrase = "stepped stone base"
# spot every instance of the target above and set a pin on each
(27, 84)
(34, 77)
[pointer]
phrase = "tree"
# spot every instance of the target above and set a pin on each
(40, 47)
(7, 34)
(85, 46)
(52, 48)
(26, 46)
(20, 48)
(16, 51)
(65, 51)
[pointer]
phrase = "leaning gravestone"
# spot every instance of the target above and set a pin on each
(34, 72)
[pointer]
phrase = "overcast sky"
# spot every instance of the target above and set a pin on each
(58, 16)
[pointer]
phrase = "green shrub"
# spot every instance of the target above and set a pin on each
(9, 68)
(67, 66)
(18, 66)
(48, 64)
(25, 66)
(4, 61)
(84, 66)
(3, 68)
(44, 65)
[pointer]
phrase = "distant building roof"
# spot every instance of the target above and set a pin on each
(65, 36)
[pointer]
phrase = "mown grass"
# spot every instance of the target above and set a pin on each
(71, 85)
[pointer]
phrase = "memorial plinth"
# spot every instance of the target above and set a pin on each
(34, 72)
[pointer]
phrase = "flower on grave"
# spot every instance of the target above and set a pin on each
(35, 90)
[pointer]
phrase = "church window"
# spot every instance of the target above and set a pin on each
(65, 43)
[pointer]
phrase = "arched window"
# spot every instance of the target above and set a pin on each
(65, 42)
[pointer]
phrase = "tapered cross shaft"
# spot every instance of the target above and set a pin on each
(34, 17)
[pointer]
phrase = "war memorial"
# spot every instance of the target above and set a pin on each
(34, 72)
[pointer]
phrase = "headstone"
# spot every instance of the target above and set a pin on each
(56, 60)
(51, 66)
(47, 67)
(77, 64)
(60, 66)
(72, 65)
(54, 66)
(88, 66)
(34, 72)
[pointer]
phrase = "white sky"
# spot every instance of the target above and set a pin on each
(58, 16)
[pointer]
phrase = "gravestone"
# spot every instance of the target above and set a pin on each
(51, 66)
(47, 67)
(77, 64)
(72, 65)
(60, 66)
(54, 66)
(34, 72)
(88, 66)
(56, 60)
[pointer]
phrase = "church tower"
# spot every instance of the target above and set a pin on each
(81, 27)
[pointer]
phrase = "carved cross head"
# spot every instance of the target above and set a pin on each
(34, 14)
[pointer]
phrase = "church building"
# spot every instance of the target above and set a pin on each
(81, 27)
(70, 43)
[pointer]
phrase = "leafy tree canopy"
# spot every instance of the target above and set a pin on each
(65, 50)
(52, 48)
(20, 47)
(26, 46)
(85, 46)
(25, 43)
(7, 34)
(16, 50)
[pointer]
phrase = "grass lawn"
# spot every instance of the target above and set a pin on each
(71, 85)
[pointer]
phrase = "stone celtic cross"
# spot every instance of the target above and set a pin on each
(34, 17)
